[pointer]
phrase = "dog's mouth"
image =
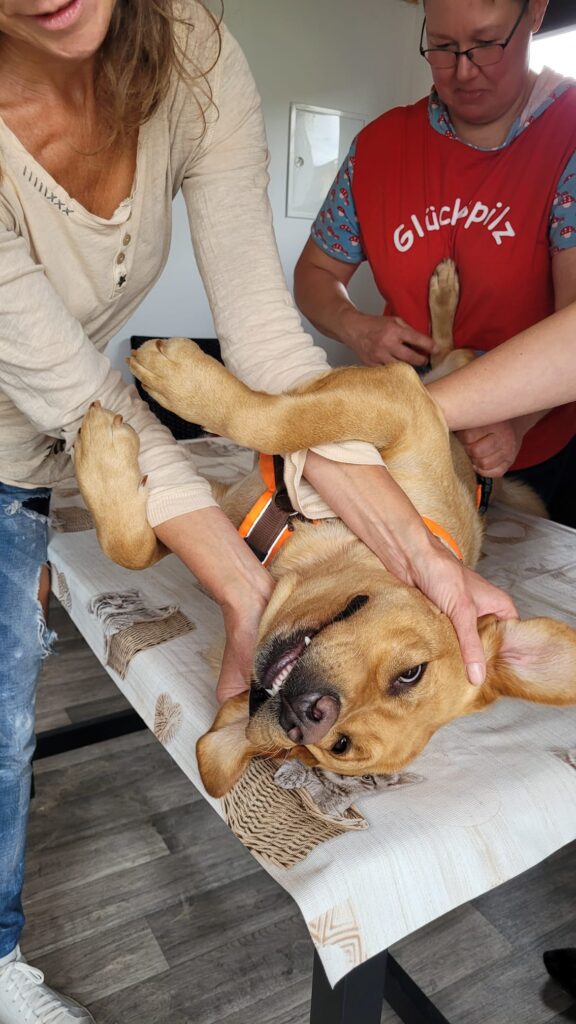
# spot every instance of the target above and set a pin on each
(279, 658)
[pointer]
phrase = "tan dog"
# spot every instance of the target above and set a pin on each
(354, 670)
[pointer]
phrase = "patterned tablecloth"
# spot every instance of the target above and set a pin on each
(497, 791)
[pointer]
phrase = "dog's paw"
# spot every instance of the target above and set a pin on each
(180, 376)
(109, 477)
(106, 459)
(445, 284)
(443, 296)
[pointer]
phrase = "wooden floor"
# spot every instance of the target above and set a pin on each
(142, 904)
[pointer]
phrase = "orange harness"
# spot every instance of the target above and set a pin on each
(268, 524)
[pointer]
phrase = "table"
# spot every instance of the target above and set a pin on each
(498, 790)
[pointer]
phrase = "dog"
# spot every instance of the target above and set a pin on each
(354, 670)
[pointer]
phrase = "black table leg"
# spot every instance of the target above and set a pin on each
(357, 999)
(408, 1000)
(81, 734)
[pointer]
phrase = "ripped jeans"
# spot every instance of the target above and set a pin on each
(24, 642)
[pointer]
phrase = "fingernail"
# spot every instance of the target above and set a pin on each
(476, 673)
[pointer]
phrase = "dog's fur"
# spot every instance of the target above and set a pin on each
(375, 668)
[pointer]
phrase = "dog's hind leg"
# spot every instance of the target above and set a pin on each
(455, 360)
(443, 296)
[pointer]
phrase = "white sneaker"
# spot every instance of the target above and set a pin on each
(25, 999)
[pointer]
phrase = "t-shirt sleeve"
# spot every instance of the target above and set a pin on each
(562, 232)
(336, 229)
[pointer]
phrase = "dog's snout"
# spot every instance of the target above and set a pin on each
(307, 717)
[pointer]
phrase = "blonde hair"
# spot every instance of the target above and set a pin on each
(144, 48)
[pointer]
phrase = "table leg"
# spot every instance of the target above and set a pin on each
(359, 997)
(407, 1000)
(81, 734)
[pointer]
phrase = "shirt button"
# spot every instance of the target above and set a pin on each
(120, 257)
(127, 239)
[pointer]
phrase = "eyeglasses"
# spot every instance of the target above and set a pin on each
(482, 56)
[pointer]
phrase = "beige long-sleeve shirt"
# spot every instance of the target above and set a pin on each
(69, 280)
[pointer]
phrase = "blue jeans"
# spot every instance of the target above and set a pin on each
(24, 642)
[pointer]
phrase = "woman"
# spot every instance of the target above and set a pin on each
(107, 108)
(484, 171)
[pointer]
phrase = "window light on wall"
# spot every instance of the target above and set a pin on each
(555, 50)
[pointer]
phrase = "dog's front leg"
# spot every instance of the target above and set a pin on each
(110, 481)
(382, 405)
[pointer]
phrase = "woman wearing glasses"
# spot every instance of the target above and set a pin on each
(483, 170)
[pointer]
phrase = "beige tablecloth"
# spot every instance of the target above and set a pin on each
(497, 791)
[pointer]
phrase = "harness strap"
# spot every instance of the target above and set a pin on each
(443, 535)
(267, 526)
(484, 485)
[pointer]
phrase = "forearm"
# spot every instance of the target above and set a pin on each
(325, 301)
(208, 544)
(210, 547)
(531, 373)
(376, 509)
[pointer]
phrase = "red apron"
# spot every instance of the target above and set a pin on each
(421, 196)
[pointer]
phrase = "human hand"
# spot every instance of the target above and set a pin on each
(210, 546)
(492, 450)
(378, 340)
(241, 622)
(464, 597)
(359, 494)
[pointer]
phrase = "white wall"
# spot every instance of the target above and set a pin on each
(360, 57)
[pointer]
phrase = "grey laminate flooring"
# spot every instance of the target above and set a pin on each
(142, 904)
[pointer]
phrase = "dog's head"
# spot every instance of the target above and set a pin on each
(355, 673)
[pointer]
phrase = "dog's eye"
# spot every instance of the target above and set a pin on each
(341, 745)
(411, 675)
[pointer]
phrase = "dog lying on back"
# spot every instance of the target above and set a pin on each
(354, 670)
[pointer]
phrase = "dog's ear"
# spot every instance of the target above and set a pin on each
(535, 659)
(224, 751)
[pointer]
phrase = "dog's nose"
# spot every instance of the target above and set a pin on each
(308, 717)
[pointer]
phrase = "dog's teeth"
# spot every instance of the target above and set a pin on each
(270, 692)
(307, 641)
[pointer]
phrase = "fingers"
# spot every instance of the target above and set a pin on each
(486, 468)
(410, 355)
(484, 447)
(464, 620)
(491, 450)
(388, 339)
(464, 597)
(481, 598)
(421, 342)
